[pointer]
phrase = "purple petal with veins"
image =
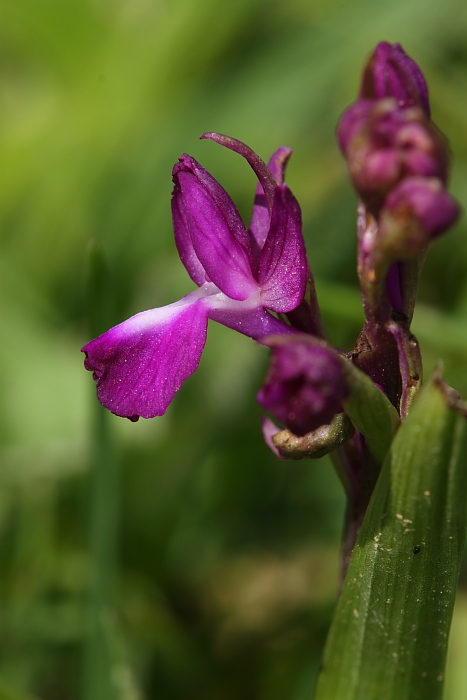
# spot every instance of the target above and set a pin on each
(140, 364)
(282, 270)
(219, 239)
(183, 240)
(220, 197)
(261, 217)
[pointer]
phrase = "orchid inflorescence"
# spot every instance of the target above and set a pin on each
(258, 281)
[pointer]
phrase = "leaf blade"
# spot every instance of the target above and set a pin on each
(392, 622)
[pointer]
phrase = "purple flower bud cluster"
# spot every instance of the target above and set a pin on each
(398, 162)
(385, 144)
(257, 280)
(397, 158)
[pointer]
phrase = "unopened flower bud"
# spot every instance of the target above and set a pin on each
(391, 73)
(384, 144)
(416, 211)
(305, 384)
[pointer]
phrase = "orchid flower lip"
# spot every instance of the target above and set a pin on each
(140, 364)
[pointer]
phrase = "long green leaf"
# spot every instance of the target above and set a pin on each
(389, 635)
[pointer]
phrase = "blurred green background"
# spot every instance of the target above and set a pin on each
(177, 557)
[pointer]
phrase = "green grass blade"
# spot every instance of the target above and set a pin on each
(103, 505)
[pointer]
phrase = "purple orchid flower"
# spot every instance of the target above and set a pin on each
(242, 277)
